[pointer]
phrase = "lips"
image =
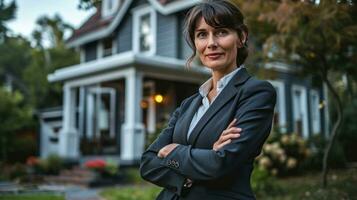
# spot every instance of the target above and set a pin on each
(214, 55)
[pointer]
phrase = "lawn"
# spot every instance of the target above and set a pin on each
(342, 185)
(31, 197)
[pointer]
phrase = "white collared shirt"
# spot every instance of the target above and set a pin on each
(204, 90)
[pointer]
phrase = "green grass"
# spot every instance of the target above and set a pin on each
(342, 185)
(31, 197)
(137, 192)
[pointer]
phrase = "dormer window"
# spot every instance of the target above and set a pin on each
(110, 7)
(107, 47)
(144, 31)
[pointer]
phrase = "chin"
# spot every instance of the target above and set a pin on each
(214, 65)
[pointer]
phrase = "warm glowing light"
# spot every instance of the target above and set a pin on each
(159, 98)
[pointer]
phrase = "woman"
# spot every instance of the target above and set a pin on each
(202, 153)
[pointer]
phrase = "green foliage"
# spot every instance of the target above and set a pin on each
(142, 192)
(348, 135)
(263, 182)
(51, 165)
(14, 116)
(283, 154)
(88, 4)
(337, 158)
(32, 197)
(7, 13)
(132, 176)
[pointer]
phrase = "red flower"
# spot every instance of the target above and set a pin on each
(95, 164)
(32, 161)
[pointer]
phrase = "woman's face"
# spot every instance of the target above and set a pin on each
(216, 47)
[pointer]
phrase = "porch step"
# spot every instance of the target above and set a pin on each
(76, 176)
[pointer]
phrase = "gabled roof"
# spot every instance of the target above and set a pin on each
(97, 27)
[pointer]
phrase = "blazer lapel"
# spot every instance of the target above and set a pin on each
(188, 115)
(227, 93)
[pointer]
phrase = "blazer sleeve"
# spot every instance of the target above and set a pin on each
(254, 114)
(150, 168)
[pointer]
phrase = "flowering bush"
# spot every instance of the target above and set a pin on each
(103, 167)
(50, 165)
(283, 154)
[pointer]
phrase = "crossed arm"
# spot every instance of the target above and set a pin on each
(254, 116)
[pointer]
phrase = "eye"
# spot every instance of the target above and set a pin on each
(201, 35)
(221, 32)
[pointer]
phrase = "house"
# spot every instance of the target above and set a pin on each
(132, 75)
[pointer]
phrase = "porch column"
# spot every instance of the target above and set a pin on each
(68, 136)
(132, 133)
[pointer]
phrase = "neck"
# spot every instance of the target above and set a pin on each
(218, 74)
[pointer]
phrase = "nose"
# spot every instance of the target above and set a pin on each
(212, 41)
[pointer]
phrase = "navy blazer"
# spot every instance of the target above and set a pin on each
(217, 175)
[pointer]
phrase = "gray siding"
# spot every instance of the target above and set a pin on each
(184, 49)
(90, 51)
(125, 35)
(167, 35)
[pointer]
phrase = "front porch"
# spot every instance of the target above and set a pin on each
(109, 113)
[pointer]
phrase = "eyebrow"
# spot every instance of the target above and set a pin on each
(201, 29)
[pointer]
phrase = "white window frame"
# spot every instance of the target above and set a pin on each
(315, 110)
(138, 13)
(305, 125)
(282, 104)
(107, 12)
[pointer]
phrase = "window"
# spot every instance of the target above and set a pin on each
(144, 31)
(315, 111)
(299, 101)
(107, 47)
(280, 110)
(109, 7)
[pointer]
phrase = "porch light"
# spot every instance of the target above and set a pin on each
(159, 98)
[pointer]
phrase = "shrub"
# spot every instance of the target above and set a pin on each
(51, 165)
(283, 154)
(105, 168)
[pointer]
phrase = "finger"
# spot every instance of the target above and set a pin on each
(229, 136)
(233, 129)
(232, 123)
(223, 144)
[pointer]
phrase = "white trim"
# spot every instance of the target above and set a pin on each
(315, 112)
(106, 12)
(137, 14)
(173, 7)
(120, 60)
(282, 103)
(281, 67)
(303, 105)
(99, 78)
(92, 67)
(170, 8)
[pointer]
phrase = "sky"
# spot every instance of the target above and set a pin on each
(29, 10)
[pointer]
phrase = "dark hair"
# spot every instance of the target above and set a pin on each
(218, 14)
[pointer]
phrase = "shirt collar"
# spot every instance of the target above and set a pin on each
(206, 87)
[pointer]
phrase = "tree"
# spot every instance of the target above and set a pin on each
(88, 4)
(14, 116)
(320, 38)
(15, 57)
(50, 54)
(6, 13)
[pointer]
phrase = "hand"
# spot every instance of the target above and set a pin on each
(166, 150)
(227, 135)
